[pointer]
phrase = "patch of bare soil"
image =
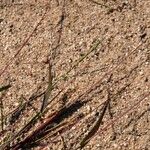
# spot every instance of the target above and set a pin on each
(75, 74)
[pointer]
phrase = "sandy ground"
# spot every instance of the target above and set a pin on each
(65, 31)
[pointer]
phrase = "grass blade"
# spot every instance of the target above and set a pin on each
(96, 126)
(48, 90)
(3, 88)
(94, 47)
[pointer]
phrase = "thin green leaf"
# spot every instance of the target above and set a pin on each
(48, 90)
